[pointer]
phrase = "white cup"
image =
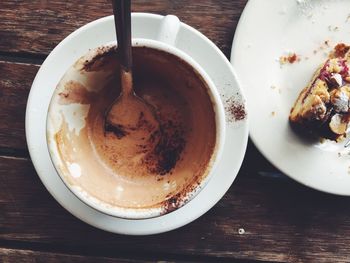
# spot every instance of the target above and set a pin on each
(165, 42)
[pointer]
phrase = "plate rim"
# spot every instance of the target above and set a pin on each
(262, 150)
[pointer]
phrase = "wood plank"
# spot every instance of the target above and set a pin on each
(282, 222)
(24, 256)
(38, 26)
(15, 82)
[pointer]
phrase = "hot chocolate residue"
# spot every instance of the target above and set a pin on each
(162, 149)
(168, 150)
(137, 166)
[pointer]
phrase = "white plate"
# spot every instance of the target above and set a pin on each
(98, 33)
(271, 29)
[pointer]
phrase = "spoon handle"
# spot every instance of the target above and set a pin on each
(122, 20)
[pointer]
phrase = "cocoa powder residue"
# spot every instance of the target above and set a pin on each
(75, 92)
(118, 130)
(235, 110)
(121, 131)
(172, 203)
(163, 147)
(104, 56)
(168, 149)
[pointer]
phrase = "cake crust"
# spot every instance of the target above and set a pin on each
(322, 108)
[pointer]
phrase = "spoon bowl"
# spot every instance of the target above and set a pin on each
(129, 115)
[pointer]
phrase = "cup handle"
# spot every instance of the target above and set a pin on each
(169, 29)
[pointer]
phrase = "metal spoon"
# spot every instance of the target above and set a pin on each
(128, 110)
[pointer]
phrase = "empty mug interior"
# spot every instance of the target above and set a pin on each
(81, 152)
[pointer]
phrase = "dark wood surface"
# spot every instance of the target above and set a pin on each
(282, 220)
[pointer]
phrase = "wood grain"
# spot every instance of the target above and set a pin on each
(36, 27)
(15, 82)
(25, 256)
(282, 222)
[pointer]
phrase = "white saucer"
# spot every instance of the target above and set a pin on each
(96, 34)
(268, 30)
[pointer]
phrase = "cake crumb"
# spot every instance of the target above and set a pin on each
(340, 50)
(323, 47)
(333, 28)
(291, 58)
(322, 140)
(273, 113)
(347, 19)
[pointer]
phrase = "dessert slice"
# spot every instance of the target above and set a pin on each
(322, 108)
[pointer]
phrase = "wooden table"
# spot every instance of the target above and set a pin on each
(282, 220)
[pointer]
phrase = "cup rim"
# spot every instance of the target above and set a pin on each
(145, 213)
